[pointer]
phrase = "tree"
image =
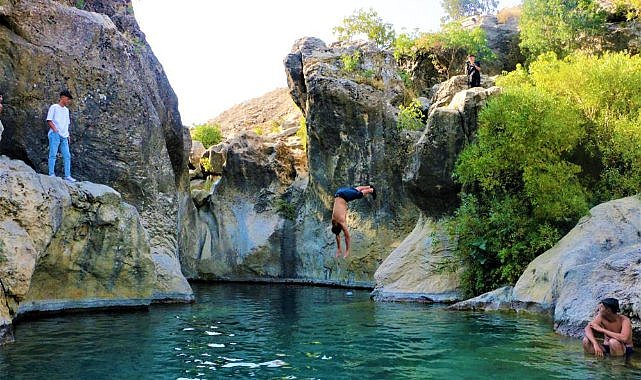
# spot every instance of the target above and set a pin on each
(366, 23)
(448, 48)
(457, 9)
(560, 26)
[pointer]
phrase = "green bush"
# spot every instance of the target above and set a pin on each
(560, 26)
(366, 23)
(561, 138)
(446, 49)
(208, 134)
(285, 209)
(410, 117)
(351, 61)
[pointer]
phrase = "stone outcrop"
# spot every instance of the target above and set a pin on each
(68, 246)
(420, 268)
(126, 129)
(249, 213)
(503, 40)
(597, 259)
(428, 175)
(352, 140)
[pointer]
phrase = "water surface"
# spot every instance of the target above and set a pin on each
(291, 332)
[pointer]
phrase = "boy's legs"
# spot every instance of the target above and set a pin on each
(54, 143)
(365, 189)
(66, 156)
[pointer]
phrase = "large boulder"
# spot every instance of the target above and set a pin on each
(420, 268)
(599, 258)
(126, 129)
(68, 246)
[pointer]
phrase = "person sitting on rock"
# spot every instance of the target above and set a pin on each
(616, 330)
(339, 214)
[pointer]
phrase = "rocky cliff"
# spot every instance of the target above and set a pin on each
(126, 129)
(597, 259)
(67, 246)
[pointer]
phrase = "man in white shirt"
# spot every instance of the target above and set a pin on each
(58, 121)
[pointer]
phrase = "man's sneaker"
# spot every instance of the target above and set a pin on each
(70, 179)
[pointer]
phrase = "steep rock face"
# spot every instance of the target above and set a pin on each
(68, 246)
(428, 175)
(352, 140)
(126, 129)
(418, 269)
(599, 258)
(249, 213)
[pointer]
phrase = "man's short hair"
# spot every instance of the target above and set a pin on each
(611, 303)
(336, 228)
(66, 93)
(471, 55)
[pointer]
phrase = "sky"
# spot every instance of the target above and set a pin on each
(218, 53)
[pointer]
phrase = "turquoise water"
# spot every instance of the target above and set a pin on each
(290, 332)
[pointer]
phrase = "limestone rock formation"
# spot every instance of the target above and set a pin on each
(428, 175)
(249, 213)
(68, 246)
(419, 269)
(126, 129)
(352, 140)
(597, 259)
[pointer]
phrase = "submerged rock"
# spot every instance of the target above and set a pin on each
(599, 258)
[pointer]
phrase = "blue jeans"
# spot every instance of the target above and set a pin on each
(55, 141)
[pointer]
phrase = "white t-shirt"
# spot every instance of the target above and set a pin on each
(60, 117)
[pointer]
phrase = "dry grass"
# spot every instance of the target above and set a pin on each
(507, 14)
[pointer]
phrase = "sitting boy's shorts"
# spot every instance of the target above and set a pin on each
(348, 193)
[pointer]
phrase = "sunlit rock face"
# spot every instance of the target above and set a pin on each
(597, 259)
(126, 130)
(352, 140)
(68, 246)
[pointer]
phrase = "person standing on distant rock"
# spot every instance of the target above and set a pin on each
(616, 330)
(59, 137)
(473, 71)
(339, 214)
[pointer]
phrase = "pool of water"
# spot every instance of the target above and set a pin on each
(293, 332)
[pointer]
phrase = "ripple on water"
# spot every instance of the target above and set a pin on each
(301, 333)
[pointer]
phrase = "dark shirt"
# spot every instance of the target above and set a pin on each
(473, 74)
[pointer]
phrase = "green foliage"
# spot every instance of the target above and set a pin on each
(456, 9)
(561, 138)
(366, 23)
(410, 117)
(208, 134)
(351, 61)
(80, 4)
(259, 131)
(302, 132)
(286, 209)
(448, 48)
(560, 26)
(631, 8)
(206, 164)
